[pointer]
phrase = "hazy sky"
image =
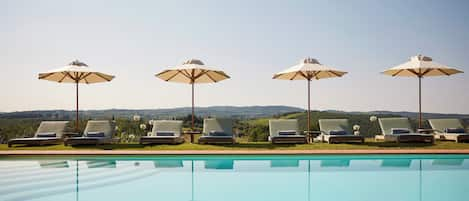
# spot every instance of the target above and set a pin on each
(249, 40)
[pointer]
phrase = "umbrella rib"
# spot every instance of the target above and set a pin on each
(70, 76)
(65, 75)
(203, 72)
(294, 76)
(165, 71)
(222, 74)
(208, 75)
(315, 75)
(397, 73)
(414, 72)
(86, 75)
(305, 76)
(172, 76)
(185, 73)
(336, 74)
(443, 72)
(45, 76)
(101, 76)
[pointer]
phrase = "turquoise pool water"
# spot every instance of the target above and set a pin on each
(240, 178)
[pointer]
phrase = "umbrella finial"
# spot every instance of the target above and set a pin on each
(193, 61)
(77, 63)
(421, 58)
(310, 60)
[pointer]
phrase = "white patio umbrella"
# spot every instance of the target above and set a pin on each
(75, 72)
(421, 66)
(309, 69)
(192, 72)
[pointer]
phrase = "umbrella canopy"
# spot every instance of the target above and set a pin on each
(75, 72)
(421, 66)
(191, 72)
(309, 69)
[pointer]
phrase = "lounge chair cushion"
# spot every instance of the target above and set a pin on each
(218, 133)
(95, 134)
(287, 132)
(46, 135)
(224, 127)
(99, 126)
(337, 132)
(440, 125)
(335, 126)
(165, 133)
(278, 125)
(57, 127)
(455, 130)
(166, 126)
(387, 124)
(397, 131)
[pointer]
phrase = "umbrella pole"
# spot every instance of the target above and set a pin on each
(192, 106)
(192, 127)
(420, 102)
(76, 123)
(309, 110)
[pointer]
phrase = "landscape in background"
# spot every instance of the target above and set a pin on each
(251, 124)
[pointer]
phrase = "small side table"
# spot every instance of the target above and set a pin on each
(311, 135)
(192, 133)
(71, 134)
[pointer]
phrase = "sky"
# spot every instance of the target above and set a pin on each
(249, 40)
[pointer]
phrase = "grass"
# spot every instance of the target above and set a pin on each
(243, 145)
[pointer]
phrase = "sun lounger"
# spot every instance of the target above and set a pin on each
(164, 132)
(449, 129)
(398, 129)
(337, 130)
(49, 132)
(96, 132)
(285, 131)
(217, 131)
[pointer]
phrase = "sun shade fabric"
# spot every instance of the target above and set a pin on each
(278, 125)
(56, 127)
(218, 125)
(421, 66)
(75, 72)
(387, 124)
(162, 126)
(334, 126)
(96, 126)
(309, 69)
(441, 124)
(192, 71)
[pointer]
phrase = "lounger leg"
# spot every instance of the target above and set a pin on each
(9, 145)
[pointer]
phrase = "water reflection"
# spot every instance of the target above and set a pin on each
(216, 178)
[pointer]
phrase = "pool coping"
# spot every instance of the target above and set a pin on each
(230, 152)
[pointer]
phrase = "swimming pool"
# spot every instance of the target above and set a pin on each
(229, 178)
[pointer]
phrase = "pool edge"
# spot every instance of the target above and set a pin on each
(231, 152)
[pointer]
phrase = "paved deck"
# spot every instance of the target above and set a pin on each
(232, 152)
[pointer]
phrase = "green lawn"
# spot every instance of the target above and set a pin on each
(369, 144)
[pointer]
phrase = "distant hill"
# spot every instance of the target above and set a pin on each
(408, 114)
(215, 111)
(242, 112)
